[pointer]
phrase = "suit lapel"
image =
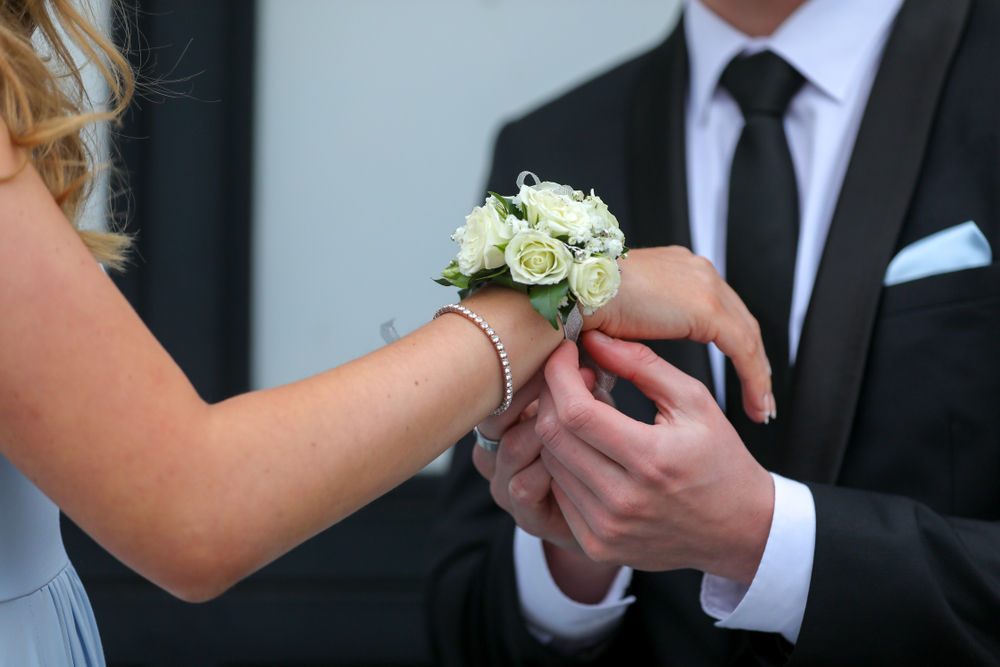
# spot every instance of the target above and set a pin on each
(657, 178)
(874, 200)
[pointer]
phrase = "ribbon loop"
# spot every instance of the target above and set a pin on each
(523, 175)
(388, 331)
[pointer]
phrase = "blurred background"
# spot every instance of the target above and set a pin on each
(293, 171)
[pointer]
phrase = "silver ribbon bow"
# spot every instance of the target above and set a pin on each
(574, 325)
(564, 190)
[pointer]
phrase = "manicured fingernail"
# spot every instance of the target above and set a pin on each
(601, 337)
(769, 369)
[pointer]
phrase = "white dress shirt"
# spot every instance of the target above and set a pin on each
(837, 46)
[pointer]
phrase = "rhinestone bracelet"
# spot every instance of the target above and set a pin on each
(508, 384)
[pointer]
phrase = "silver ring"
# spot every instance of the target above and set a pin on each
(484, 442)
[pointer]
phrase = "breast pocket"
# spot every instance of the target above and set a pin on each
(942, 290)
(927, 423)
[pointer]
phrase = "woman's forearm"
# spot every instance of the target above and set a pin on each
(302, 456)
(194, 497)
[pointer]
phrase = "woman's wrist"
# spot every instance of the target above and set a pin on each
(528, 338)
(607, 319)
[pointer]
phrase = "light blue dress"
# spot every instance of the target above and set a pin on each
(45, 617)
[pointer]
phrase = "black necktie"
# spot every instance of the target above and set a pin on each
(763, 228)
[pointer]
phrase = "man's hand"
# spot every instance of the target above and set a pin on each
(519, 482)
(683, 493)
(670, 293)
(699, 305)
(521, 485)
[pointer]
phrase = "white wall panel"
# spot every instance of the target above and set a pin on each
(374, 125)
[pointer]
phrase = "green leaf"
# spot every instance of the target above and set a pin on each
(504, 204)
(463, 294)
(506, 280)
(502, 247)
(454, 276)
(485, 275)
(443, 281)
(545, 299)
(515, 211)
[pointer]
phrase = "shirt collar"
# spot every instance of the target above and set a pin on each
(828, 41)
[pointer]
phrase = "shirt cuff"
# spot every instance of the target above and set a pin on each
(776, 599)
(549, 614)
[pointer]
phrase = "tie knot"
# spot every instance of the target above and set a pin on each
(762, 83)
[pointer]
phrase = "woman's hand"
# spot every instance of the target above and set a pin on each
(671, 293)
(521, 485)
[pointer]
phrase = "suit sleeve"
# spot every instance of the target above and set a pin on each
(896, 583)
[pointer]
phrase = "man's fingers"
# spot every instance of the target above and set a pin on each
(586, 499)
(578, 526)
(494, 427)
(585, 462)
(578, 412)
(672, 390)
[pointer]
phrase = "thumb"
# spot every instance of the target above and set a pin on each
(664, 384)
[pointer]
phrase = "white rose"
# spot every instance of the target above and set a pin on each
(484, 230)
(599, 210)
(594, 282)
(555, 214)
(535, 258)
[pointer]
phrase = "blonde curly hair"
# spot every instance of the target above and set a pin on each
(46, 108)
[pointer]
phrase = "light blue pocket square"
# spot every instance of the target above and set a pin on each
(953, 249)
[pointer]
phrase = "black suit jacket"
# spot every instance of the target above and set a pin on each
(895, 420)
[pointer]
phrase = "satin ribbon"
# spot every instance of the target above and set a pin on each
(574, 325)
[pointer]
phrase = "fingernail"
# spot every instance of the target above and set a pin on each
(769, 369)
(601, 337)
